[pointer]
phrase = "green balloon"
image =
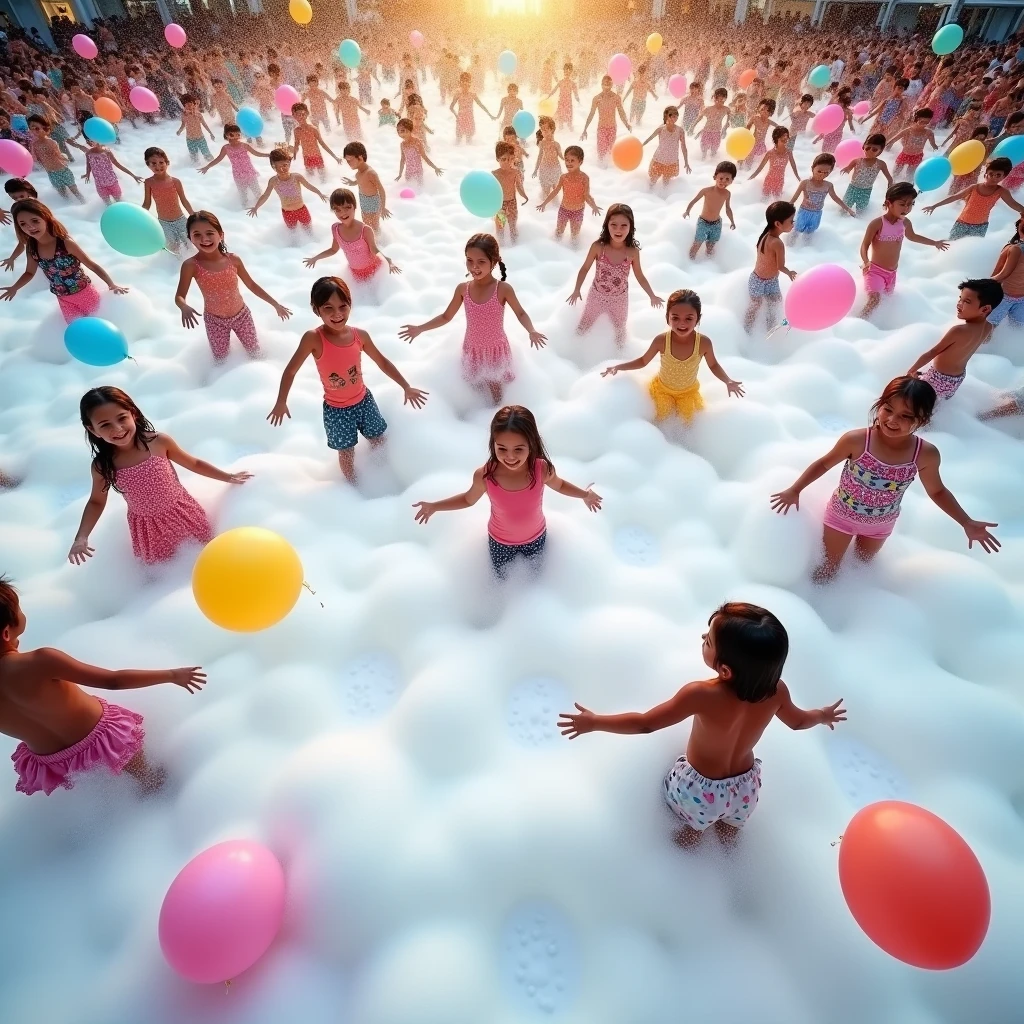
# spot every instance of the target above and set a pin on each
(349, 53)
(730, 60)
(131, 230)
(481, 193)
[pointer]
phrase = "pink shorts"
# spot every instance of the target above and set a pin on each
(572, 217)
(83, 303)
(878, 280)
(605, 140)
(862, 526)
(109, 191)
(365, 273)
(116, 739)
(293, 218)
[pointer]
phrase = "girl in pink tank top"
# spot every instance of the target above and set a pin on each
(337, 349)
(242, 170)
(354, 238)
(513, 478)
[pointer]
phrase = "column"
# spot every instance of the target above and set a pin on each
(818, 4)
(887, 12)
(165, 12)
(741, 11)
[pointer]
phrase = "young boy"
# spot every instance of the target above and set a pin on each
(309, 140)
(63, 730)
(714, 118)
(865, 170)
(716, 783)
(316, 100)
(715, 197)
(48, 155)
(607, 105)
(979, 201)
(692, 106)
(222, 102)
(289, 188)
(510, 105)
(193, 124)
(168, 195)
(815, 190)
(511, 181)
(575, 188)
(346, 109)
(947, 361)
(914, 138)
(373, 200)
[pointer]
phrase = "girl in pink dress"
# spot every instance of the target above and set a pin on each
(513, 478)
(777, 159)
(354, 239)
(242, 170)
(465, 99)
(486, 354)
(99, 165)
(133, 458)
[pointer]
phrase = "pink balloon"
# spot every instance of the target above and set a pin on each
(175, 35)
(829, 119)
(407, 193)
(84, 46)
(285, 97)
(819, 298)
(15, 159)
(862, 109)
(677, 86)
(416, 38)
(143, 100)
(619, 67)
(847, 150)
(222, 912)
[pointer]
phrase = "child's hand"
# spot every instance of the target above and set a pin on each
(576, 725)
(118, 289)
(541, 207)
(735, 387)
(416, 398)
(732, 226)
(686, 214)
(424, 510)
(4, 217)
(399, 178)
(610, 372)
(203, 170)
(252, 212)
(596, 211)
(439, 171)
(192, 679)
(574, 298)
(791, 274)
(657, 301)
(941, 246)
(592, 500)
(534, 175)
(385, 213)
(8, 264)
(394, 268)
(929, 210)
(282, 311)
(784, 500)
(830, 715)
(538, 340)
(278, 413)
(583, 137)
(976, 530)
(85, 177)
(239, 478)
(350, 181)
(311, 261)
(189, 317)
(408, 332)
(688, 171)
(80, 551)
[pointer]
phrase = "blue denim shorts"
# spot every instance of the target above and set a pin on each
(343, 426)
(807, 221)
(759, 288)
(708, 230)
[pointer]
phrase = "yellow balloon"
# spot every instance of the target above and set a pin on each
(967, 157)
(546, 107)
(300, 11)
(247, 579)
(739, 143)
(654, 42)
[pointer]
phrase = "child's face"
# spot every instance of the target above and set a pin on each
(356, 161)
(19, 194)
(344, 212)
(547, 131)
(993, 177)
(821, 172)
(922, 122)
(281, 167)
(403, 134)
(901, 207)
(572, 162)
(782, 142)
(33, 225)
(606, 84)
(479, 264)
(671, 119)
(234, 137)
(511, 449)
(723, 180)
(37, 131)
(191, 107)
(114, 424)
(506, 160)
(682, 318)
(335, 312)
(872, 152)
(708, 651)
(301, 116)
(157, 164)
(787, 225)
(969, 305)
(205, 237)
(618, 227)
(896, 418)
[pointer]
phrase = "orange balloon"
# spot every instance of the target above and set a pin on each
(747, 77)
(108, 110)
(914, 885)
(627, 153)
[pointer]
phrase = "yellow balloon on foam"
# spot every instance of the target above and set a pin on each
(301, 12)
(654, 42)
(247, 579)
(967, 157)
(546, 107)
(739, 143)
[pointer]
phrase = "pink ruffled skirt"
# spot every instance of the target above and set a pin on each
(83, 303)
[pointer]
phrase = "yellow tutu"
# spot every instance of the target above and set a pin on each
(684, 403)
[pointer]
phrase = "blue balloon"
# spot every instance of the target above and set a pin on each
(481, 193)
(820, 77)
(19, 122)
(100, 131)
(507, 62)
(1012, 148)
(349, 53)
(730, 60)
(95, 342)
(933, 174)
(947, 39)
(131, 230)
(250, 122)
(525, 124)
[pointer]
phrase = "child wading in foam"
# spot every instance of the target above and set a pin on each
(607, 105)
(777, 159)
(373, 200)
(815, 191)
(715, 198)
(914, 138)
(763, 283)
(355, 239)
(665, 164)
(864, 171)
(167, 194)
(242, 170)
(979, 200)
(716, 783)
(575, 188)
(1009, 272)
(289, 188)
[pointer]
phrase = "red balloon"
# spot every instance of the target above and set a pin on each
(747, 77)
(914, 885)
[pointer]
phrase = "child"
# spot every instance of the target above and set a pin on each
(759, 125)
(763, 282)
(830, 140)
(676, 389)
(16, 188)
(100, 164)
(63, 731)
(881, 463)
(242, 170)
(914, 138)
(567, 92)
(386, 115)
(815, 189)
(465, 99)
(373, 200)
(692, 107)
(486, 354)
(511, 181)
(50, 248)
(217, 272)
(273, 84)
(609, 292)
(965, 181)
(890, 112)
(1009, 272)
(309, 140)
(575, 188)
(130, 456)
(289, 188)
(355, 239)
(864, 171)
(709, 223)
(48, 155)
(414, 155)
(168, 195)
(979, 201)
(511, 104)
(717, 782)
(316, 101)
(713, 117)
(665, 164)
(509, 136)
(549, 155)
(193, 124)
(607, 105)
(337, 348)
(777, 159)
(799, 119)
(514, 477)
(639, 89)
(1010, 404)
(222, 102)
(947, 361)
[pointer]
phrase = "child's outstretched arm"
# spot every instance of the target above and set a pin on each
(202, 121)
(477, 489)
(312, 261)
(686, 155)
(410, 331)
(303, 183)
(307, 346)
(641, 361)
(182, 198)
(371, 242)
(587, 495)
(327, 149)
(1007, 197)
(760, 167)
(75, 250)
(507, 295)
(851, 166)
(590, 117)
(976, 530)
(592, 252)
(734, 387)
(656, 301)
(80, 549)
(554, 192)
(426, 159)
(262, 199)
(413, 396)
(838, 201)
(689, 701)
(797, 718)
(956, 197)
(243, 275)
(8, 264)
(913, 236)
(401, 163)
(800, 189)
(848, 446)
(694, 201)
(1005, 265)
(653, 135)
(121, 167)
(621, 110)
(728, 212)
(7, 294)
(792, 163)
(177, 454)
(48, 663)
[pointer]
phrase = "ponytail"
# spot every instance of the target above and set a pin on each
(501, 268)
(777, 213)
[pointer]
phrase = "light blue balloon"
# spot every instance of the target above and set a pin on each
(19, 122)
(947, 39)
(250, 122)
(481, 193)
(349, 53)
(730, 60)
(100, 131)
(524, 123)
(507, 62)
(131, 230)
(1012, 148)
(95, 342)
(820, 77)
(933, 174)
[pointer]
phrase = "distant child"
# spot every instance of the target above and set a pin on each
(509, 136)
(217, 273)
(517, 470)
(665, 164)
(289, 188)
(316, 101)
(47, 154)
(354, 238)
(890, 112)
(222, 102)
(715, 198)
(99, 165)
(914, 138)
(714, 117)
(864, 171)
(63, 731)
(274, 82)
(347, 109)
(337, 349)
(549, 155)
(567, 92)
(830, 140)
(465, 99)
(815, 190)
(575, 188)
(386, 115)
(486, 353)
(639, 89)
(676, 389)
(607, 105)
(373, 200)
(758, 125)
(613, 254)
(510, 104)
(309, 140)
(763, 283)
(193, 124)
(881, 463)
(979, 201)
(799, 119)
(1009, 272)
(716, 784)
(777, 159)
(168, 195)
(16, 188)
(413, 155)
(511, 181)
(692, 107)
(242, 170)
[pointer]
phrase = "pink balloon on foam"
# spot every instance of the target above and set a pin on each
(829, 119)
(407, 193)
(144, 101)
(15, 159)
(175, 36)
(862, 109)
(847, 150)
(84, 46)
(819, 298)
(286, 97)
(677, 86)
(620, 67)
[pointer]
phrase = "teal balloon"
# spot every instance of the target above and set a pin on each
(250, 122)
(820, 77)
(100, 131)
(1012, 148)
(730, 60)
(131, 230)
(933, 174)
(507, 62)
(95, 342)
(947, 39)
(19, 122)
(481, 193)
(524, 123)
(349, 53)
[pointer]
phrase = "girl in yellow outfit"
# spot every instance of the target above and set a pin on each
(675, 388)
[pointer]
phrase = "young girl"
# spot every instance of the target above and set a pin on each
(49, 247)
(414, 155)
(549, 155)
(777, 159)
(99, 165)
(639, 89)
(681, 347)
(759, 125)
(567, 92)
(613, 254)
(665, 164)
(289, 188)
(1009, 272)
(763, 282)
(830, 140)
(486, 354)
(217, 272)
(714, 117)
(575, 188)
(815, 191)
(465, 99)
(881, 463)
(242, 170)
(354, 238)
(864, 170)
(337, 349)
(513, 478)
(979, 200)
(130, 456)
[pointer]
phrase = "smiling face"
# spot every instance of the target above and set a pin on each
(479, 264)
(281, 167)
(511, 449)
(344, 212)
(683, 318)
(114, 424)
(572, 162)
(618, 228)
(205, 237)
(335, 312)
(234, 138)
(895, 419)
(157, 164)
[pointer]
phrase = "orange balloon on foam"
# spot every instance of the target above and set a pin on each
(108, 110)
(627, 153)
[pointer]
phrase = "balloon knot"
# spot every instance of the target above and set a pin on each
(836, 842)
(313, 592)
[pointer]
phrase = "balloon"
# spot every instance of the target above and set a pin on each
(914, 885)
(627, 153)
(1011, 147)
(84, 46)
(130, 229)
(143, 100)
(739, 142)
(746, 77)
(546, 107)
(407, 193)
(967, 157)
(654, 43)
(349, 53)
(507, 62)
(862, 109)
(829, 119)
(95, 342)
(175, 35)
(677, 86)
(933, 174)
(847, 150)
(620, 67)
(481, 194)
(947, 39)
(250, 122)
(820, 76)
(415, 39)
(285, 97)
(107, 109)
(15, 159)
(730, 60)
(247, 579)
(819, 298)
(524, 123)
(222, 911)
(301, 12)
(98, 130)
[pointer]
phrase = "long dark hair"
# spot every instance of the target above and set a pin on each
(516, 419)
(34, 206)
(213, 220)
(488, 245)
(102, 451)
(777, 213)
(619, 210)
(919, 393)
(1015, 238)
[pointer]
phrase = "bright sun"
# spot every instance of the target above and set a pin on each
(501, 7)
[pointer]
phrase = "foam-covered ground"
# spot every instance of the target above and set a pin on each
(452, 860)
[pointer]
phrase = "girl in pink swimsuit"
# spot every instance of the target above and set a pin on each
(238, 153)
(486, 354)
(513, 478)
(881, 463)
(133, 458)
(777, 159)
(364, 258)
(99, 165)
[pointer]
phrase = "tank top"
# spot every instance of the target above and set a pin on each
(611, 278)
(165, 198)
(814, 199)
(517, 517)
(978, 207)
(872, 489)
(221, 296)
(102, 169)
(62, 270)
(864, 176)
(241, 165)
(890, 232)
(668, 147)
(341, 371)
(356, 252)
(679, 374)
(289, 190)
